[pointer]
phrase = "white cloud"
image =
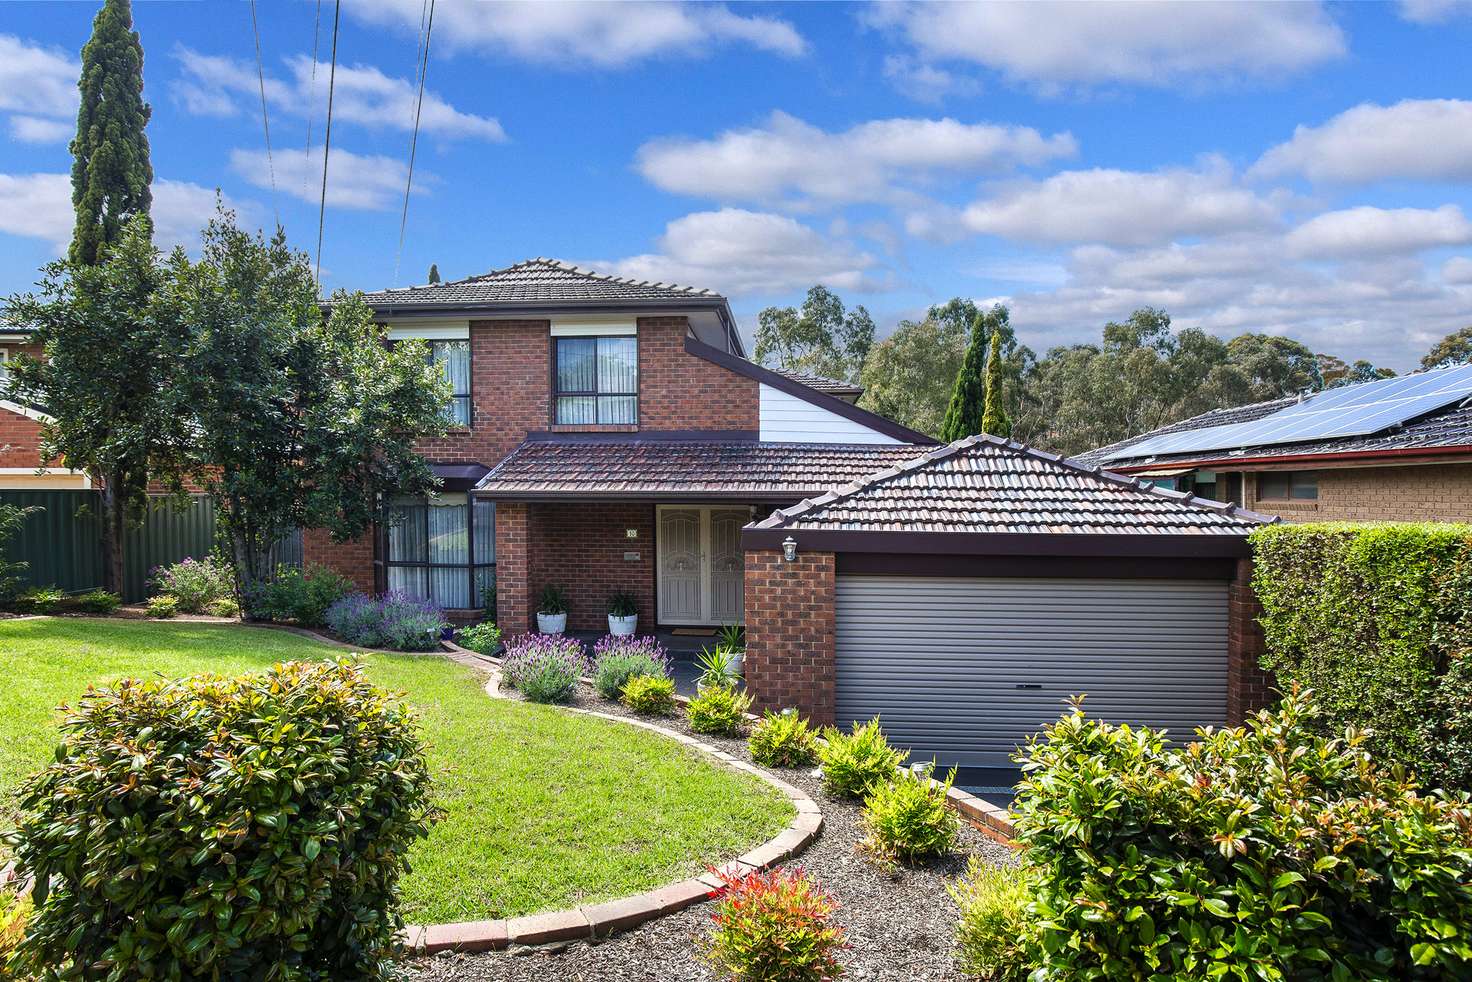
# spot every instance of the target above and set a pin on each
(1367, 231)
(744, 252)
(577, 33)
(1434, 11)
(33, 129)
(925, 82)
(1457, 269)
(1419, 139)
(217, 85)
(789, 157)
(1116, 207)
(362, 181)
(39, 206)
(1067, 44)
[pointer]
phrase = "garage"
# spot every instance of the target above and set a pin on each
(964, 596)
(986, 661)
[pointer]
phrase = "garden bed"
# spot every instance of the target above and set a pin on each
(900, 924)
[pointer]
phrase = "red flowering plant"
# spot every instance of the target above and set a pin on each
(775, 927)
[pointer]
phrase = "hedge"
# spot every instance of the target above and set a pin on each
(1376, 619)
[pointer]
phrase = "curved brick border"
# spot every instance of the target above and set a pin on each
(603, 919)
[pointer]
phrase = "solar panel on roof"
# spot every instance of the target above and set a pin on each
(1353, 410)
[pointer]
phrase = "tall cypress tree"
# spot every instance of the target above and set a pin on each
(963, 415)
(994, 418)
(111, 171)
(434, 273)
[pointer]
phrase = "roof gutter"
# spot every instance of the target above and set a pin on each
(1206, 545)
(1246, 462)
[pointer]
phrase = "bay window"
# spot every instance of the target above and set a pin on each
(453, 357)
(596, 379)
(442, 549)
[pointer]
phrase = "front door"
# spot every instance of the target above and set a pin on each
(701, 565)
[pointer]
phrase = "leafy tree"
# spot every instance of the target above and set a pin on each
(12, 518)
(1336, 372)
(994, 419)
(1273, 366)
(110, 378)
(111, 171)
(908, 376)
(968, 394)
(1454, 349)
(303, 421)
(821, 337)
(434, 273)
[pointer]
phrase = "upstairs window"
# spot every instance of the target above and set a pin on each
(1288, 486)
(453, 357)
(596, 380)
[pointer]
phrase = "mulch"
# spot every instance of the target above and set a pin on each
(900, 922)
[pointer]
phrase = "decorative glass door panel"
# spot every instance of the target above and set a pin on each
(701, 565)
(681, 563)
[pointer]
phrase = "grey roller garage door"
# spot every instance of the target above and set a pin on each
(964, 669)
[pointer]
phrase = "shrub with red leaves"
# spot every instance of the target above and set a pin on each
(775, 927)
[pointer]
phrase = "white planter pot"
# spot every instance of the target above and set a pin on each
(551, 623)
(736, 662)
(622, 627)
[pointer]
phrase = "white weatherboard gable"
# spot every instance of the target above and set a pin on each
(788, 419)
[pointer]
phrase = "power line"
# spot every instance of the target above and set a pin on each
(265, 117)
(327, 138)
(311, 90)
(414, 140)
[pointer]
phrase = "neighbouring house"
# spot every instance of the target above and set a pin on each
(608, 435)
(21, 466)
(965, 595)
(1397, 449)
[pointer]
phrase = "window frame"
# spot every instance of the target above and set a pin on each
(455, 397)
(558, 394)
(1295, 479)
(471, 567)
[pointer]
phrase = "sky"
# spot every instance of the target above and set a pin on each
(1300, 168)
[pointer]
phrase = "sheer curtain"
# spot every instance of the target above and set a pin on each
(454, 358)
(618, 374)
(406, 544)
(449, 546)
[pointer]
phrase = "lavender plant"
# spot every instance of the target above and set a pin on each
(395, 620)
(544, 667)
(616, 660)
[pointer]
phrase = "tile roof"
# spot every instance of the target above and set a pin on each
(984, 484)
(819, 382)
(634, 468)
(538, 281)
(1445, 428)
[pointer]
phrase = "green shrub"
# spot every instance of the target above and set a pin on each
(195, 583)
(12, 519)
(225, 828)
(484, 637)
(1373, 619)
(717, 665)
(618, 659)
(1259, 852)
(41, 600)
(718, 709)
(650, 695)
(775, 927)
(783, 740)
(906, 818)
(856, 761)
(162, 606)
(15, 912)
(98, 602)
(995, 937)
(299, 595)
(223, 607)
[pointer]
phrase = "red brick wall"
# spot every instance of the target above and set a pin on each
(581, 548)
(353, 559)
(20, 441)
(790, 655)
(678, 391)
(1249, 687)
(513, 541)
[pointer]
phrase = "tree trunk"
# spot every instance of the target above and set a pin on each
(247, 567)
(114, 517)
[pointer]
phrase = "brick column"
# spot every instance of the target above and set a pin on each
(353, 559)
(790, 658)
(513, 572)
(1249, 687)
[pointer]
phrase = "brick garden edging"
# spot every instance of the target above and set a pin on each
(603, 919)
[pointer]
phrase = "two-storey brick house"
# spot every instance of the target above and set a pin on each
(609, 435)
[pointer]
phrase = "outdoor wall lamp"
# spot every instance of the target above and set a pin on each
(789, 549)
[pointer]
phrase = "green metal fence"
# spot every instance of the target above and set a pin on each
(63, 542)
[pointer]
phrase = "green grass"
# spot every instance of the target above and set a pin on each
(544, 809)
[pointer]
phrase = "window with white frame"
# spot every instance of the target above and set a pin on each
(442, 549)
(596, 379)
(453, 357)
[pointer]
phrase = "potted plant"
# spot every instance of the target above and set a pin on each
(552, 611)
(623, 615)
(733, 643)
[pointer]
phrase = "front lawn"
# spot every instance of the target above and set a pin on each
(544, 809)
